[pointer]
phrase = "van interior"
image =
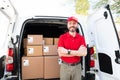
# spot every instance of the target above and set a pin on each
(50, 28)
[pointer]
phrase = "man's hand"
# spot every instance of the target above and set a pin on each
(82, 50)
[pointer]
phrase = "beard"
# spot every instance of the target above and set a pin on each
(72, 29)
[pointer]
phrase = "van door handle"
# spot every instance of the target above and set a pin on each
(17, 39)
(92, 71)
(117, 54)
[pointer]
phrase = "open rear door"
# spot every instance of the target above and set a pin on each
(102, 29)
(7, 20)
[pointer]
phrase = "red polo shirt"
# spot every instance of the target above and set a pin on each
(73, 43)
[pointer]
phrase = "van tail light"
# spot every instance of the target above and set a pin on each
(91, 51)
(92, 63)
(9, 67)
(9, 60)
(92, 58)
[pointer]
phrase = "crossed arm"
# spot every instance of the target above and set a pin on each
(82, 51)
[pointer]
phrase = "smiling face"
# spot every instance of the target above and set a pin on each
(72, 26)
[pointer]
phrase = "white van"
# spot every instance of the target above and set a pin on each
(102, 61)
(49, 19)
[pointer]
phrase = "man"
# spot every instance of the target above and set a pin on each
(71, 47)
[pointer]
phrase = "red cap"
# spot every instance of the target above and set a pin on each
(72, 18)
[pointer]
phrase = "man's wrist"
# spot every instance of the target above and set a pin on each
(69, 51)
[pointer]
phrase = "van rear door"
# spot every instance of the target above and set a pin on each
(7, 20)
(105, 37)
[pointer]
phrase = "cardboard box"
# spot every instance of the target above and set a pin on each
(34, 51)
(24, 42)
(56, 41)
(50, 50)
(32, 67)
(35, 39)
(25, 51)
(51, 67)
(48, 41)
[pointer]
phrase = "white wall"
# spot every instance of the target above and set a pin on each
(44, 7)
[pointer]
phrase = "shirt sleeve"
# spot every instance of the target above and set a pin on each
(83, 41)
(60, 42)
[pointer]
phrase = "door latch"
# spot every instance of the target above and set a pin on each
(117, 54)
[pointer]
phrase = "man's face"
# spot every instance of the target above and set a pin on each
(72, 25)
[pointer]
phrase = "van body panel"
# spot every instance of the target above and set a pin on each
(7, 20)
(8, 15)
(103, 36)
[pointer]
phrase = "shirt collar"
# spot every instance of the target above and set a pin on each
(68, 35)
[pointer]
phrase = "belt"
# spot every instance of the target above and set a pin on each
(71, 64)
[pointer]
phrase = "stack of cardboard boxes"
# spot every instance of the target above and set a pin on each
(41, 58)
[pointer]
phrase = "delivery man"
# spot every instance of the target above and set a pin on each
(71, 46)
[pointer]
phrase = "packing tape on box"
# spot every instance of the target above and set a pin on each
(25, 62)
(30, 39)
(46, 49)
(30, 50)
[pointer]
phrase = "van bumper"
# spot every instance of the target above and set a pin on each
(12, 79)
(90, 76)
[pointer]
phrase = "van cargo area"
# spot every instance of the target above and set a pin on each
(44, 65)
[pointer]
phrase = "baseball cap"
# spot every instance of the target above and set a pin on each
(72, 18)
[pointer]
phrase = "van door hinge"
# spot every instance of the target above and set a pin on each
(117, 54)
